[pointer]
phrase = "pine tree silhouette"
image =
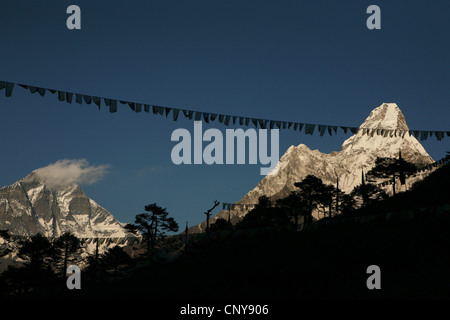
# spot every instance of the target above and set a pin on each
(311, 189)
(68, 246)
(153, 224)
(392, 168)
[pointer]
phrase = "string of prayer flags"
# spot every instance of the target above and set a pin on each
(222, 118)
(234, 206)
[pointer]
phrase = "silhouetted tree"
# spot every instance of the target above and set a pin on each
(113, 259)
(391, 168)
(208, 213)
(220, 224)
(340, 199)
(263, 203)
(347, 204)
(367, 193)
(133, 229)
(36, 275)
(92, 269)
(293, 204)
(311, 189)
(38, 251)
(68, 246)
(326, 198)
(264, 215)
(154, 224)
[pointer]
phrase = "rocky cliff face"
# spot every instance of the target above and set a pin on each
(30, 206)
(357, 153)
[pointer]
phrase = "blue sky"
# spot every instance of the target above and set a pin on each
(306, 61)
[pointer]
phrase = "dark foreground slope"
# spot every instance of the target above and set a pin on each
(408, 237)
(328, 263)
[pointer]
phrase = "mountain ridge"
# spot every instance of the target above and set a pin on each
(358, 154)
(30, 206)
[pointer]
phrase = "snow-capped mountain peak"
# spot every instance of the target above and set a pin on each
(386, 116)
(31, 206)
(383, 134)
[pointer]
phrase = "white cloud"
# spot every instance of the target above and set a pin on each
(71, 171)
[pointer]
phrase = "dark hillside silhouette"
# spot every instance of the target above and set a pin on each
(264, 257)
(264, 215)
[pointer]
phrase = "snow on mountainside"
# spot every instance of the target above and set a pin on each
(31, 206)
(357, 153)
